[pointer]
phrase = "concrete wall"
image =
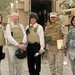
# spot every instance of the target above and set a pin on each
(22, 7)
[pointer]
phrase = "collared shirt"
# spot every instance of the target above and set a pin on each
(9, 36)
(40, 33)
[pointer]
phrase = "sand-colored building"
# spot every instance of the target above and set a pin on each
(41, 7)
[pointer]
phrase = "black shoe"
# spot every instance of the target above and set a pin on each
(37, 74)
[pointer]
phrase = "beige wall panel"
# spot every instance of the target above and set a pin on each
(19, 5)
(23, 17)
(21, 0)
(60, 1)
(66, 20)
(26, 5)
(57, 6)
(74, 12)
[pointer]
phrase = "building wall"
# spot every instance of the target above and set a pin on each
(22, 7)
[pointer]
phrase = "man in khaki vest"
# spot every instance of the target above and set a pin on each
(15, 35)
(53, 32)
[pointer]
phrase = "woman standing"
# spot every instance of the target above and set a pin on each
(70, 45)
(35, 39)
(2, 41)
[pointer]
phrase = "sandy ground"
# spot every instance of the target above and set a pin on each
(45, 70)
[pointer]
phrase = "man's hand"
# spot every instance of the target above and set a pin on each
(41, 51)
(21, 46)
(63, 47)
(65, 52)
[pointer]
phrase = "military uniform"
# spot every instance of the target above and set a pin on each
(55, 56)
(2, 39)
(15, 35)
(2, 43)
(70, 46)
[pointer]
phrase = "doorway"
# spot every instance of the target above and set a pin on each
(42, 8)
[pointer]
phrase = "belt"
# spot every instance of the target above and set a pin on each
(32, 42)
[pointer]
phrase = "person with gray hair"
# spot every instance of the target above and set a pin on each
(15, 35)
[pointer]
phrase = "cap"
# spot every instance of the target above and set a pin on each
(53, 14)
(33, 15)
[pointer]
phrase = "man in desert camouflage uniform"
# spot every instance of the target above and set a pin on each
(53, 32)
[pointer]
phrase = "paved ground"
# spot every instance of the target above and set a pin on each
(45, 67)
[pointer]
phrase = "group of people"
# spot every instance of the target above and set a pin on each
(30, 39)
(34, 39)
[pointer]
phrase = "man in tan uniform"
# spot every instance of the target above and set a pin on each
(53, 33)
(15, 35)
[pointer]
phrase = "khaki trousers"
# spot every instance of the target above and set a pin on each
(14, 62)
(56, 62)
